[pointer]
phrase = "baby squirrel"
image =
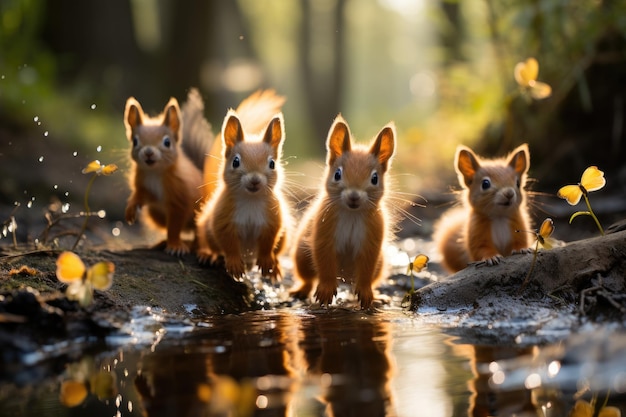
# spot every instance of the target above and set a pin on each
(342, 233)
(246, 218)
(166, 175)
(494, 218)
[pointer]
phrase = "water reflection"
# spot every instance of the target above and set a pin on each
(351, 363)
(320, 363)
(486, 399)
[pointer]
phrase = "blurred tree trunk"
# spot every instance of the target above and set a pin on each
(94, 42)
(323, 79)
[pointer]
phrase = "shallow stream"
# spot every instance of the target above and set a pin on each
(304, 361)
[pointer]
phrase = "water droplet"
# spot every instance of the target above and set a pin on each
(45, 133)
(67, 193)
(2, 77)
(99, 148)
(75, 153)
(102, 214)
(93, 106)
(29, 204)
(39, 123)
(36, 119)
(241, 37)
(41, 158)
(116, 231)
(65, 207)
(55, 186)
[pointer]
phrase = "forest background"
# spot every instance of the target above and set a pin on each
(442, 70)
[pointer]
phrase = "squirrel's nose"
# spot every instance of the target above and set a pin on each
(354, 199)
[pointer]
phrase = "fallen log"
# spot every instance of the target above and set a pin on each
(579, 273)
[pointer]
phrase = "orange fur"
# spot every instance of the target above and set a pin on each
(246, 218)
(494, 210)
(343, 232)
(163, 179)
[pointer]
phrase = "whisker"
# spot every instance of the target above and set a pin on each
(407, 215)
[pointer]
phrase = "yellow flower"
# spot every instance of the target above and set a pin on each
(417, 265)
(545, 231)
(73, 393)
(526, 76)
(592, 180)
(584, 409)
(99, 169)
(71, 270)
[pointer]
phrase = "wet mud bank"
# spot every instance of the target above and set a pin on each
(568, 287)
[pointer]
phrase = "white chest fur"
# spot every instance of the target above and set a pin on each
(250, 218)
(501, 234)
(350, 232)
(154, 184)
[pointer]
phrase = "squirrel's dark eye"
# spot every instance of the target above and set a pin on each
(135, 141)
(236, 161)
(272, 164)
(374, 178)
(338, 174)
(166, 141)
(486, 184)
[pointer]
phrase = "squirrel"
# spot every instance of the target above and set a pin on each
(246, 218)
(166, 173)
(343, 232)
(494, 217)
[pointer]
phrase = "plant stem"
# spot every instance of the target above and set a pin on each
(593, 215)
(87, 211)
(532, 266)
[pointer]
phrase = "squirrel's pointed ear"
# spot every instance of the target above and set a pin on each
(384, 145)
(232, 132)
(275, 132)
(171, 117)
(339, 139)
(133, 115)
(466, 164)
(520, 159)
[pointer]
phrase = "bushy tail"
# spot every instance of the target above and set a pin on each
(197, 134)
(255, 113)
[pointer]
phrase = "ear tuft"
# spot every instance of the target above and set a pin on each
(232, 132)
(384, 145)
(274, 135)
(520, 159)
(466, 164)
(339, 139)
(171, 117)
(133, 116)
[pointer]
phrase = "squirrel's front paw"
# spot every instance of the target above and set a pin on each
(365, 296)
(494, 260)
(176, 248)
(235, 267)
(269, 268)
(325, 293)
(523, 251)
(130, 214)
(302, 292)
(205, 256)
